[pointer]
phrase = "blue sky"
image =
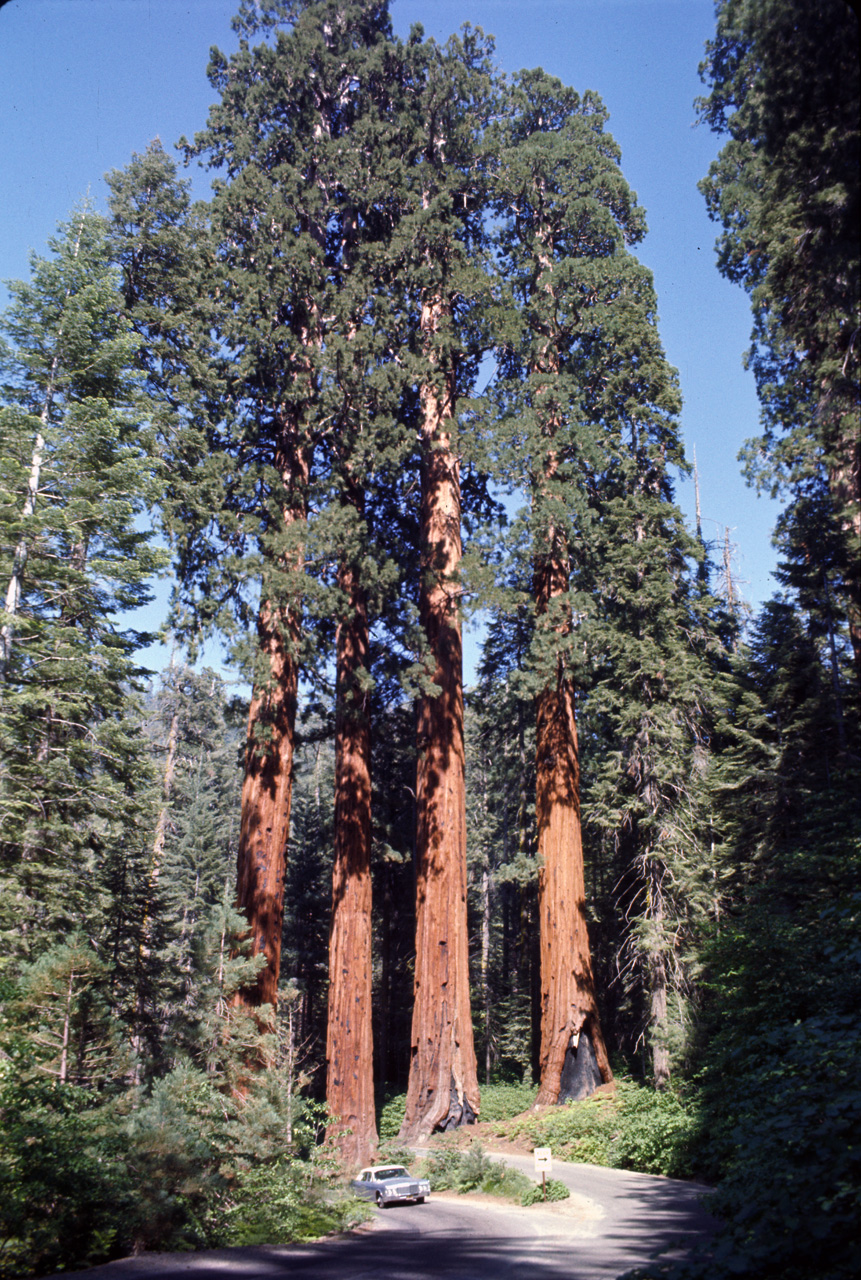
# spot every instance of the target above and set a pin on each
(84, 83)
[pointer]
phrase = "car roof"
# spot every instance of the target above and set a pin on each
(375, 1168)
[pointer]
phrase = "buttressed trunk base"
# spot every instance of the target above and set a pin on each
(573, 1061)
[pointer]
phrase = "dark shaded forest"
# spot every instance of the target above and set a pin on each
(404, 367)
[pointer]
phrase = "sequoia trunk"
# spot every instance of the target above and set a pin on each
(443, 1082)
(573, 1057)
(349, 1044)
(268, 783)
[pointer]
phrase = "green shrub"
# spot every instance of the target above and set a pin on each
(64, 1187)
(504, 1101)
(394, 1153)
(442, 1167)
(285, 1201)
(552, 1190)
(635, 1129)
(391, 1116)
(463, 1171)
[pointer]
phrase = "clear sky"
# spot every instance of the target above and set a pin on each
(84, 83)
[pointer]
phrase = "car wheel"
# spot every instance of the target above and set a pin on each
(381, 1204)
(420, 1199)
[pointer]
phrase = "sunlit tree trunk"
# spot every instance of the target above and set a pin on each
(349, 1043)
(573, 1058)
(270, 739)
(443, 1083)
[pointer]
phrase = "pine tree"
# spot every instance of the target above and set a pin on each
(76, 475)
(194, 737)
(783, 81)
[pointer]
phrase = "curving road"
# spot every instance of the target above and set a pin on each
(613, 1222)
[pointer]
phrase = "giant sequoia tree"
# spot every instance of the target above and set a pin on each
(453, 98)
(567, 212)
(278, 135)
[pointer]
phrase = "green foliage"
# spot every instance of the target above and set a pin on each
(503, 1101)
(284, 1201)
(391, 1117)
(637, 1128)
(64, 1185)
(552, 1190)
(784, 91)
(781, 1105)
(76, 478)
(451, 1169)
(185, 1166)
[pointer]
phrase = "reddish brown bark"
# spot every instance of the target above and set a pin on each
(268, 784)
(349, 1042)
(568, 1006)
(443, 1082)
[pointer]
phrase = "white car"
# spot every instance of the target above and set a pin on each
(389, 1184)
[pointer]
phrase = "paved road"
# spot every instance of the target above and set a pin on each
(613, 1222)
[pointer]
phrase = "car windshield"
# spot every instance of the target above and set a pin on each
(397, 1171)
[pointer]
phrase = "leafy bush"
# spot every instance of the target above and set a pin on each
(284, 1201)
(636, 1128)
(394, 1153)
(391, 1117)
(450, 1169)
(64, 1186)
(504, 1101)
(782, 1099)
(552, 1190)
(84, 1180)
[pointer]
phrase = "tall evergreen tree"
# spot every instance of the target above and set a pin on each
(453, 102)
(567, 213)
(783, 81)
(76, 474)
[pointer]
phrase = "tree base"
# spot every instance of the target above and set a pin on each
(581, 1075)
(458, 1113)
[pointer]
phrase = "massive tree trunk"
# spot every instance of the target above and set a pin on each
(268, 784)
(443, 1083)
(573, 1057)
(349, 1041)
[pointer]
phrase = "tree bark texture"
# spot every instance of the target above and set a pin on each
(349, 1042)
(443, 1082)
(268, 783)
(568, 1004)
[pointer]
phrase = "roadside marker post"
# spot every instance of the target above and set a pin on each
(543, 1165)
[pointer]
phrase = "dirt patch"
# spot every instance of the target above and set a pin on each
(495, 1134)
(490, 1133)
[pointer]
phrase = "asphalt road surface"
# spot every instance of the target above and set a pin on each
(613, 1222)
